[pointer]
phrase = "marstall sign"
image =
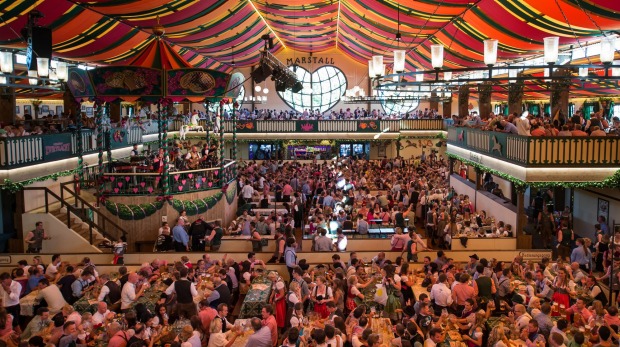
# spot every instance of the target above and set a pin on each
(310, 60)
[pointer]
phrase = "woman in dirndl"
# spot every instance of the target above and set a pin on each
(321, 295)
(561, 289)
(392, 283)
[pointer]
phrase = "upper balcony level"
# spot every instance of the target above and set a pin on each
(538, 159)
(16, 152)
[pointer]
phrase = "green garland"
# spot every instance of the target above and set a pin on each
(612, 181)
(231, 192)
(15, 187)
(198, 206)
(133, 212)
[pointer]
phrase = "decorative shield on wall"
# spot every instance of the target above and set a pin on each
(195, 82)
(79, 83)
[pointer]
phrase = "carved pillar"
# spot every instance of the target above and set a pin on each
(114, 110)
(523, 241)
(484, 99)
(69, 103)
(559, 93)
(478, 179)
(515, 97)
(464, 100)
(447, 108)
(434, 104)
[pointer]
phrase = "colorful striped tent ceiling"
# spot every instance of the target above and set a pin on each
(203, 33)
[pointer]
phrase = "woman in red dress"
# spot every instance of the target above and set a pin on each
(280, 304)
(561, 289)
(321, 295)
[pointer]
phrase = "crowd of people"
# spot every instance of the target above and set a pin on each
(483, 302)
(544, 125)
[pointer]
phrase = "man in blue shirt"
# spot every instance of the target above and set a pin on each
(180, 237)
(509, 127)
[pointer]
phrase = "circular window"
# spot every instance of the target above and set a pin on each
(393, 102)
(322, 89)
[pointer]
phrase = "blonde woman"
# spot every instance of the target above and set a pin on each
(220, 339)
(474, 338)
(498, 338)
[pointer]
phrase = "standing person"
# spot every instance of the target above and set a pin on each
(290, 256)
(35, 238)
(119, 251)
(565, 237)
(185, 293)
(9, 292)
(546, 223)
(180, 237)
(269, 320)
(215, 237)
(198, 231)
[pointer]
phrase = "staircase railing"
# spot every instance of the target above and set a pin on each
(99, 221)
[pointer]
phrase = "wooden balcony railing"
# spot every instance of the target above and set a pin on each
(323, 126)
(539, 151)
(179, 182)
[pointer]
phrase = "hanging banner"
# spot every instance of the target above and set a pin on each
(196, 82)
(80, 84)
(121, 81)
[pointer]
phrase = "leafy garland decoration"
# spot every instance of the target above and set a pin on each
(133, 212)
(15, 187)
(198, 206)
(231, 192)
(612, 181)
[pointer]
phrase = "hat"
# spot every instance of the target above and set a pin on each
(475, 256)
(517, 299)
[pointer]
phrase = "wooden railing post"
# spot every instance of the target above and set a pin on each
(47, 206)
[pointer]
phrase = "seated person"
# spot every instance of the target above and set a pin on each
(164, 241)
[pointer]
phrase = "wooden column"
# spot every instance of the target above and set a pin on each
(451, 165)
(523, 241)
(446, 108)
(515, 98)
(559, 93)
(434, 104)
(7, 106)
(484, 99)
(69, 104)
(114, 109)
(464, 100)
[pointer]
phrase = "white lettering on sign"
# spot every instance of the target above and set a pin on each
(535, 255)
(475, 157)
(5, 259)
(58, 147)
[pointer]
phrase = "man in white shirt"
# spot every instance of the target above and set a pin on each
(247, 192)
(9, 292)
(102, 313)
(442, 294)
(435, 336)
(52, 269)
(52, 295)
(128, 294)
(520, 317)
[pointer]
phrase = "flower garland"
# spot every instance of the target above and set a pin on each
(231, 192)
(15, 187)
(198, 206)
(612, 181)
(133, 212)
